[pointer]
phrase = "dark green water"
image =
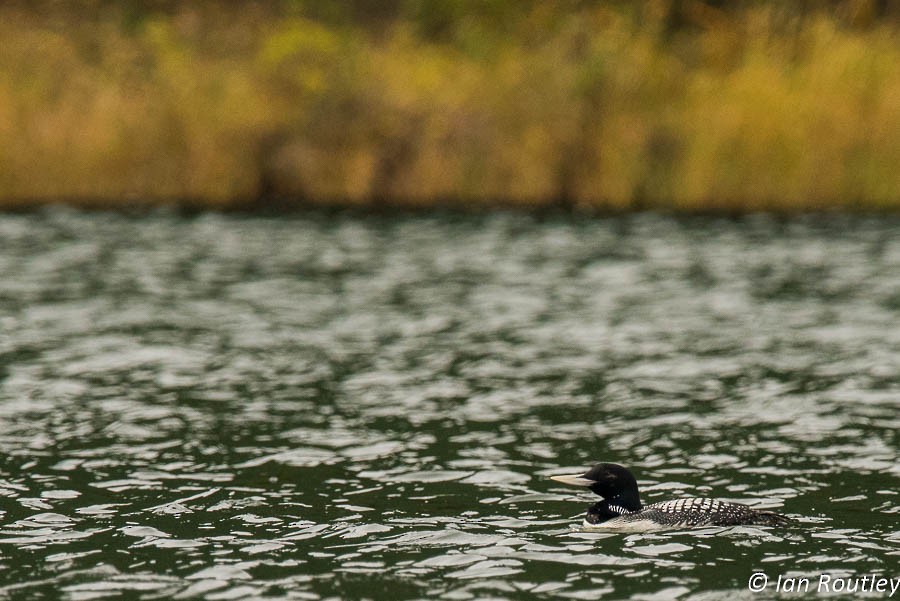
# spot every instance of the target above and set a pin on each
(348, 407)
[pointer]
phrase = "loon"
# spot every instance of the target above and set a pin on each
(621, 507)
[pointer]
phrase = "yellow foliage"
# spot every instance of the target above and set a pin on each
(600, 106)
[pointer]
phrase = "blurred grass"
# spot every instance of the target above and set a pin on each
(683, 105)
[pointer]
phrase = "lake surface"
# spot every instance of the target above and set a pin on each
(345, 406)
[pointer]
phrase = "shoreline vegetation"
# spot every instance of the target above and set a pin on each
(673, 105)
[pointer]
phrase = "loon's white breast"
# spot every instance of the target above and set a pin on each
(617, 525)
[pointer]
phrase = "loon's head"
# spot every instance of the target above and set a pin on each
(612, 482)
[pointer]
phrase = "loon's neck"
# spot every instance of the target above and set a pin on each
(608, 509)
(629, 500)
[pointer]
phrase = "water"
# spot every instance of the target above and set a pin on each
(337, 406)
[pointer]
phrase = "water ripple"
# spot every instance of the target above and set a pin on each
(334, 406)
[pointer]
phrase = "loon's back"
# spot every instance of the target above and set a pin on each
(690, 513)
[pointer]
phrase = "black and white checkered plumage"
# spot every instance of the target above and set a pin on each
(622, 509)
(695, 512)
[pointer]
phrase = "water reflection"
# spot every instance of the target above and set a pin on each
(339, 406)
